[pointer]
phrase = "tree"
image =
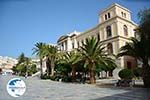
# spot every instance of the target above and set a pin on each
(50, 52)
(38, 50)
(27, 64)
(21, 58)
(32, 69)
(93, 54)
(143, 30)
(24, 66)
(139, 48)
(71, 59)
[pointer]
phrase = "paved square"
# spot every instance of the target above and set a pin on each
(49, 90)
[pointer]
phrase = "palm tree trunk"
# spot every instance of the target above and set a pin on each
(146, 74)
(41, 67)
(92, 75)
(73, 73)
(48, 67)
(52, 68)
(105, 74)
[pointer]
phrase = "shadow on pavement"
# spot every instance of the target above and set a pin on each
(132, 94)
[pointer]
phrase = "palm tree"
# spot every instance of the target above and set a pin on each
(93, 54)
(138, 49)
(50, 52)
(71, 59)
(38, 50)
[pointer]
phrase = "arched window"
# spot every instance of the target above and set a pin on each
(125, 29)
(82, 42)
(110, 48)
(62, 46)
(108, 30)
(105, 17)
(108, 15)
(122, 14)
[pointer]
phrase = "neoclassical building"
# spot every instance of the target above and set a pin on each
(114, 29)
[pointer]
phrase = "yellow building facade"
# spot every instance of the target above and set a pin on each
(114, 29)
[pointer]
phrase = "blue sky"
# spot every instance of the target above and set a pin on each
(25, 22)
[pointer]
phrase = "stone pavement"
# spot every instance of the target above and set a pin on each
(49, 90)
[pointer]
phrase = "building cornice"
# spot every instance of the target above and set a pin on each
(115, 17)
(89, 30)
(115, 37)
(62, 38)
(113, 5)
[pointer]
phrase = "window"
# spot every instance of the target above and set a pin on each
(105, 17)
(125, 29)
(82, 42)
(108, 31)
(78, 44)
(62, 45)
(122, 14)
(98, 36)
(108, 15)
(72, 45)
(66, 45)
(110, 48)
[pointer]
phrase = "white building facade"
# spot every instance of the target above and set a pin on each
(7, 63)
(114, 29)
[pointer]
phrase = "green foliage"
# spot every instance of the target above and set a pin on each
(21, 58)
(133, 48)
(143, 29)
(63, 69)
(68, 62)
(32, 69)
(95, 57)
(126, 74)
(138, 72)
(24, 66)
(39, 49)
(50, 52)
(70, 58)
(58, 77)
(67, 79)
(52, 78)
(80, 66)
(91, 55)
(46, 51)
(45, 76)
